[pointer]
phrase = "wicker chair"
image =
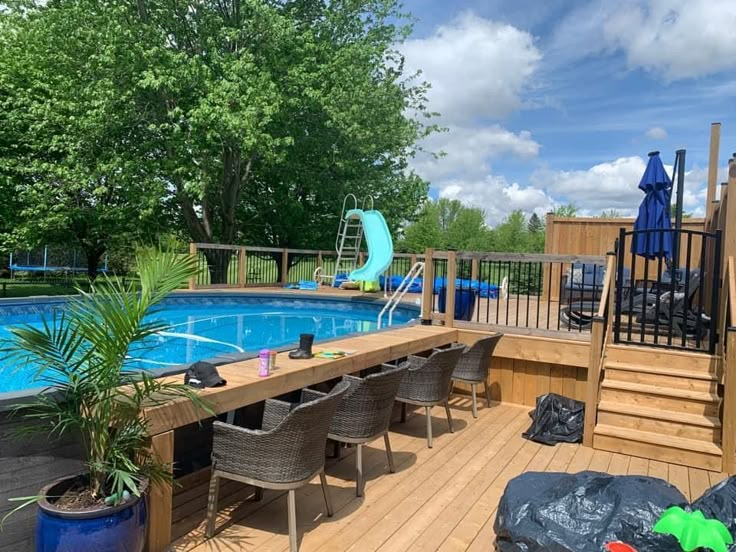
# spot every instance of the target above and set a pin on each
(287, 453)
(365, 413)
(473, 366)
(427, 383)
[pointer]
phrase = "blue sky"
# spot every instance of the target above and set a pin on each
(550, 101)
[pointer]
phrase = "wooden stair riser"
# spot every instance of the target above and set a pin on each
(660, 380)
(663, 427)
(676, 360)
(676, 404)
(690, 458)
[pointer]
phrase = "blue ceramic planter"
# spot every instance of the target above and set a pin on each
(118, 529)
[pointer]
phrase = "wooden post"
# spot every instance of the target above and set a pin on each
(241, 267)
(474, 266)
(160, 499)
(728, 429)
(715, 144)
(427, 287)
(450, 291)
(728, 241)
(413, 260)
(361, 258)
(284, 267)
(193, 278)
(593, 382)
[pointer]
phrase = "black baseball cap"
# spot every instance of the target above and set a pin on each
(203, 374)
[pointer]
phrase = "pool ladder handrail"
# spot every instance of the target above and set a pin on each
(401, 290)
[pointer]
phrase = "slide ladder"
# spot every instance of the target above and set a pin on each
(415, 272)
(348, 241)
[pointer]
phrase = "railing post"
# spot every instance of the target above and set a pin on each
(593, 381)
(361, 258)
(241, 267)
(715, 144)
(284, 267)
(193, 278)
(728, 425)
(474, 264)
(450, 290)
(413, 259)
(427, 287)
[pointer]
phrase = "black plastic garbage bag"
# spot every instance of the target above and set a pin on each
(719, 502)
(556, 419)
(561, 512)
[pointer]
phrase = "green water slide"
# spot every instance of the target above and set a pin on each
(380, 245)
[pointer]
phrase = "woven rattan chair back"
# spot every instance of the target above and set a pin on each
(365, 410)
(429, 380)
(292, 451)
(475, 362)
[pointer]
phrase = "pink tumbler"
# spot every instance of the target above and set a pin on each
(264, 362)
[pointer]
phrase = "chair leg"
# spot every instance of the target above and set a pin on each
(429, 426)
(212, 505)
(403, 412)
(449, 417)
(293, 544)
(391, 467)
(258, 496)
(475, 403)
(488, 393)
(359, 470)
(326, 494)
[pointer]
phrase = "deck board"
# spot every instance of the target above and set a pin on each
(444, 498)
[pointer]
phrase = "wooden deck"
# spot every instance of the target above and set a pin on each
(443, 498)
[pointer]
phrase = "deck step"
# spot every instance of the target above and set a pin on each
(656, 420)
(656, 446)
(662, 358)
(660, 370)
(643, 388)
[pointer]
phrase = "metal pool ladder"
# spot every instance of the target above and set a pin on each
(401, 290)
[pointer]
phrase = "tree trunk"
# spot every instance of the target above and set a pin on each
(93, 262)
(218, 265)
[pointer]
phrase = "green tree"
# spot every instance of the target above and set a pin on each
(468, 231)
(247, 120)
(566, 210)
(610, 213)
(425, 232)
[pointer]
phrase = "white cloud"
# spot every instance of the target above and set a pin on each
(498, 197)
(477, 67)
(469, 150)
(656, 133)
(676, 39)
(614, 185)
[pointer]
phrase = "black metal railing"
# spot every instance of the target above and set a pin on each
(665, 302)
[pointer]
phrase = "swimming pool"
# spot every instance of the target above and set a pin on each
(220, 327)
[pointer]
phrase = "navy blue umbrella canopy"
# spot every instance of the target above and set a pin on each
(654, 212)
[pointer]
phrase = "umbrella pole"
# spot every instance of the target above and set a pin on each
(679, 174)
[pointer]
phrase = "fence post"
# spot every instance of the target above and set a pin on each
(450, 291)
(593, 381)
(361, 258)
(193, 278)
(728, 429)
(284, 267)
(715, 144)
(474, 265)
(241, 267)
(427, 287)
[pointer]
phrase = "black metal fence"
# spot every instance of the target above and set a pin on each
(661, 302)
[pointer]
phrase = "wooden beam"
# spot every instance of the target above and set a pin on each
(241, 267)
(193, 277)
(428, 286)
(450, 289)
(593, 381)
(284, 266)
(715, 144)
(160, 499)
(728, 425)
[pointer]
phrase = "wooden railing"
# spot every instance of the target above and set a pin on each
(728, 376)
(537, 294)
(236, 266)
(600, 335)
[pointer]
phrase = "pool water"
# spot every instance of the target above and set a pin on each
(205, 327)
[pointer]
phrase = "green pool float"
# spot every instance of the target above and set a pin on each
(693, 530)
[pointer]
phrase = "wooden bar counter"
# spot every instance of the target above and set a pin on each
(244, 387)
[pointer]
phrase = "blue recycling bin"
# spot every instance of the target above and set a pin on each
(464, 302)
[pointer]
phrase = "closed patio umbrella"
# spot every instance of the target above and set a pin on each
(654, 212)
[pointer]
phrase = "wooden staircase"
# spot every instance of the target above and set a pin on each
(660, 404)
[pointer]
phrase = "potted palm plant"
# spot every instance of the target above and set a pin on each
(84, 353)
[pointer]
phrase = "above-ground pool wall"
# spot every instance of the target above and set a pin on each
(524, 367)
(26, 464)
